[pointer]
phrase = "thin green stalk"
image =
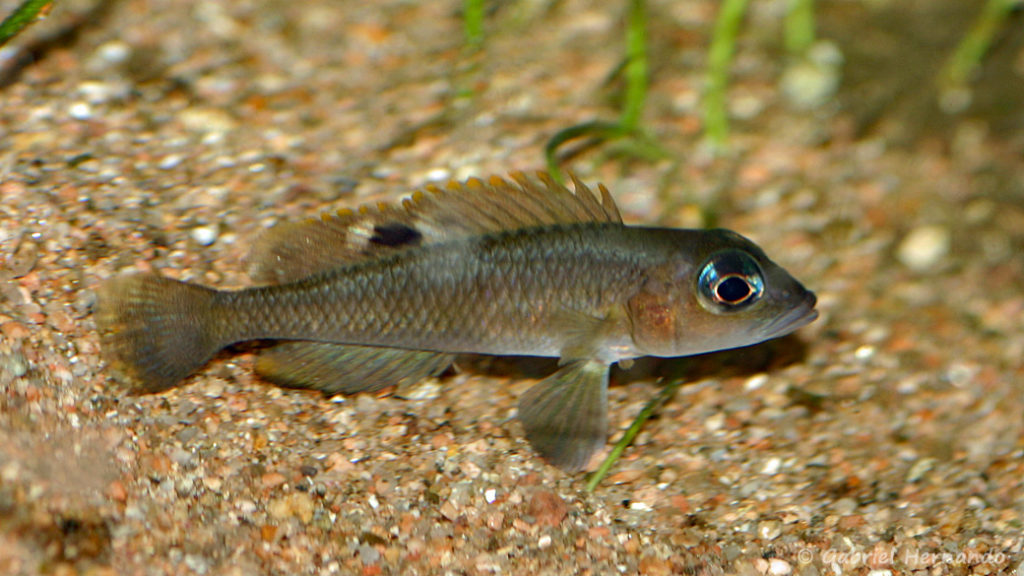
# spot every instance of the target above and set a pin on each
(636, 65)
(723, 42)
(473, 22)
(596, 129)
(975, 44)
(658, 401)
(628, 128)
(799, 26)
(22, 17)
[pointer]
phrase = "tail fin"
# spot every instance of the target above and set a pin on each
(154, 330)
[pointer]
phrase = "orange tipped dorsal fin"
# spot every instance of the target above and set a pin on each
(431, 215)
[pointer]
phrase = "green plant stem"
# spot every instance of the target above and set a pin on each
(658, 401)
(975, 44)
(636, 65)
(723, 42)
(634, 71)
(799, 34)
(473, 22)
(22, 17)
(597, 129)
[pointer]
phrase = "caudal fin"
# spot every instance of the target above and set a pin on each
(154, 330)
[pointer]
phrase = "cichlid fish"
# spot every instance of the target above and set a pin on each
(387, 295)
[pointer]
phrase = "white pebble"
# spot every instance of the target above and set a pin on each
(772, 466)
(96, 92)
(170, 161)
(544, 541)
(490, 495)
(715, 422)
(754, 382)
(779, 567)
(769, 529)
(80, 111)
(813, 81)
(438, 175)
(426, 390)
(864, 353)
(924, 247)
(114, 52)
(204, 235)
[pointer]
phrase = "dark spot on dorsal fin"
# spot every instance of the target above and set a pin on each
(395, 235)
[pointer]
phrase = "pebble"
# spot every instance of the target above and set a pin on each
(297, 504)
(24, 258)
(772, 466)
(170, 161)
(97, 92)
(755, 382)
(204, 235)
(769, 529)
(14, 330)
(13, 364)
(774, 566)
(812, 81)
(924, 247)
(845, 506)
(183, 458)
(272, 479)
(779, 567)
(116, 491)
(80, 111)
(547, 507)
(426, 390)
(919, 469)
(114, 52)
(626, 476)
(368, 554)
(715, 422)
(864, 353)
(207, 120)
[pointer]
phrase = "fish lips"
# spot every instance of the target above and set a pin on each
(801, 315)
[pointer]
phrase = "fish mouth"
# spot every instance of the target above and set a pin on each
(800, 316)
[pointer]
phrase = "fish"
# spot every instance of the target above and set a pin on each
(388, 294)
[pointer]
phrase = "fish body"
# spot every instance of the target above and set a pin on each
(387, 295)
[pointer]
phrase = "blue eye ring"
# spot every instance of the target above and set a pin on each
(730, 280)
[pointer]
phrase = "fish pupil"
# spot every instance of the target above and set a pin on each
(733, 290)
(395, 235)
(730, 281)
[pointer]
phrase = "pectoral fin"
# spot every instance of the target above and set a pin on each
(587, 336)
(566, 414)
(346, 369)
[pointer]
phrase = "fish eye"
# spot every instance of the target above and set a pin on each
(730, 280)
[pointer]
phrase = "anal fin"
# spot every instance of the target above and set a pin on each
(566, 414)
(346, 369)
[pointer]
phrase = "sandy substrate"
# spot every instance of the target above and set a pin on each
(886, 438)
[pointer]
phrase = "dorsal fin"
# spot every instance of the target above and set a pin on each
(432, 215)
